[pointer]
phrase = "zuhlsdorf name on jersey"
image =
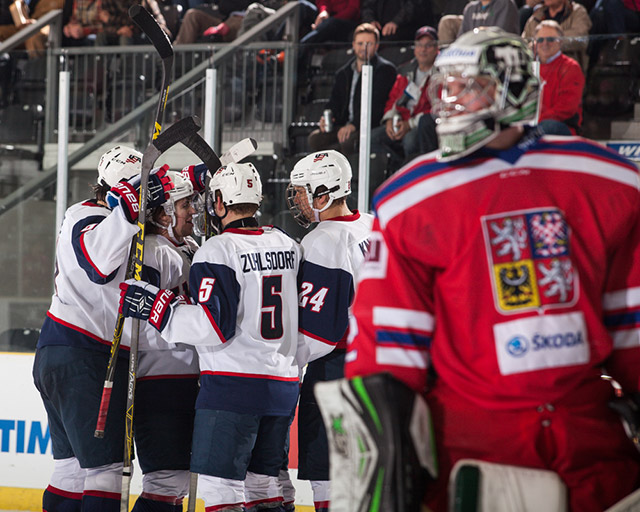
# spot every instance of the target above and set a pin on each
(540, 342)
(271, 260)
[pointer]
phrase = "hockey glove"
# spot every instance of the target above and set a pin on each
(142, 300)
(126, 193)
(197, 175)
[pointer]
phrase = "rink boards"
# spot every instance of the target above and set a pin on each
(26, 462)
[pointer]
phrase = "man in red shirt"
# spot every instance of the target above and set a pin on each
(562, 82)
(409, 100)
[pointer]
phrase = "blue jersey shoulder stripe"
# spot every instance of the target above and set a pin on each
(222, 299)
(620, 321)
(85, 263)
(584, 147)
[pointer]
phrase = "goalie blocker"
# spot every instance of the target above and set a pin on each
(376, 462)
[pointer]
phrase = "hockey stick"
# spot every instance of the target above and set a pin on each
(179, 132)
(161, 43)
(239, 151)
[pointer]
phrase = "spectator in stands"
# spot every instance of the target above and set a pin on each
(490, 13)
(479, 13)
(117, 28)
(36, 9)
(344, 102)
(618, 16)
(397, 20)
(408, 99)
(84, 21)
(449, 24)
(574, 21)
(563, 82)
(526, 11)
(335, 21)
(212, 20)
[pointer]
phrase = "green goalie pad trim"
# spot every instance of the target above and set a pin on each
(381, 448)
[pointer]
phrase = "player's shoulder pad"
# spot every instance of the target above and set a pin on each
(279, 230)
(215, 250)
(327, 245)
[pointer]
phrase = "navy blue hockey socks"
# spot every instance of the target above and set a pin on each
(56, 500)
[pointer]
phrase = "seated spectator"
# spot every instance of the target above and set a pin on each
(408, 99)
(397, 20)
(84, 21)
(490, 13)
(563, 82)
(617, 16)
(525, 12)
(209, 18)
(335, 21)
(220, 25)
(117, 28)
(574, 20)
(344, 102)
(35, 10)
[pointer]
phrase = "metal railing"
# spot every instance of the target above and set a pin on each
(105, 105)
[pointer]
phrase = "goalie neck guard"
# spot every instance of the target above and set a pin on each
(316, 175)
(119, 163)
(484, 82)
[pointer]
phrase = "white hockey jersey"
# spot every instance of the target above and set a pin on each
(245, 322)
(91, 258)
(333, 255)
(166, 265)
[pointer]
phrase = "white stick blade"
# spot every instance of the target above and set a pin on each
(239, 150)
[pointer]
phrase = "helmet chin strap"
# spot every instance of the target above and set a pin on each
(169, 228)
(316, 211)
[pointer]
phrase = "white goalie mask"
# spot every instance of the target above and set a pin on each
(484, 82)
(118, 163)
(316, 175)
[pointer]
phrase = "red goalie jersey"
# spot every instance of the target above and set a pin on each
(513, 277)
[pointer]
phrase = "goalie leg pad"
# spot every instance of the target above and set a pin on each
(381, 447)
(491, 487)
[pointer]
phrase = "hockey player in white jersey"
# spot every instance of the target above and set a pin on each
(333, 254)
(167, 379)
(73, 348)
(244, 324)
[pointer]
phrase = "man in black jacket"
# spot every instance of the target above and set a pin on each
(344, 102)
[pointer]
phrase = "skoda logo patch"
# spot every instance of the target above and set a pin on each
(518, 346)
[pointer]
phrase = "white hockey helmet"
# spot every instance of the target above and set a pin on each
(322, 173)
(238, 184)
(118, 163)
(495, 69)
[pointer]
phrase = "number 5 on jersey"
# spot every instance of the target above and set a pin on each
(206, 287)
